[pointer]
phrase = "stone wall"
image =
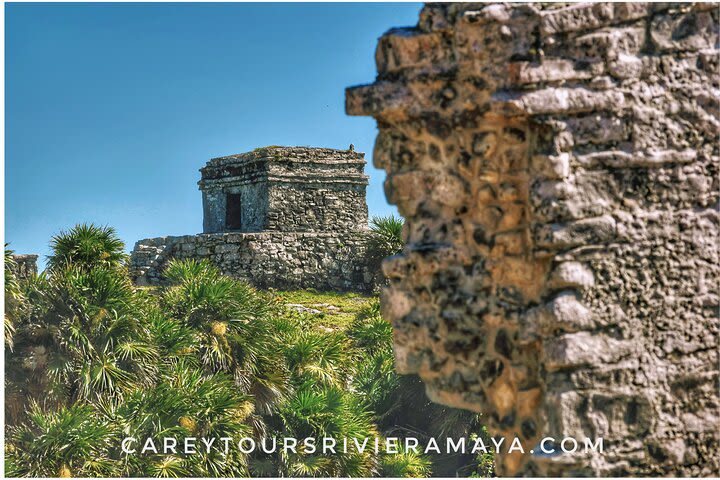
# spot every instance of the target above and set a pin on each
(254, 197)
(25, 265)
(286, 261)
(297, 207)
(558, 170)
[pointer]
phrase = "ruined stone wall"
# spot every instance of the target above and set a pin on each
(254, 197)
(25, 265)
(558, 170)
(304, 221)
(286, 261)
(299, 207)
(287, 189)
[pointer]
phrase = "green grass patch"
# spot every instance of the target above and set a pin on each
(335, 310)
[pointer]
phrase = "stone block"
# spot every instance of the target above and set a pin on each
(587, 16)
(572, 350)
(685, 31)
(591, 231)
(567, 101)
(571, 275)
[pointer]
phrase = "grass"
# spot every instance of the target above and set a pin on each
(337, 310)
(268, 147)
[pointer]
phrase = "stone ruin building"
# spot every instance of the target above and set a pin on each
(25, 265)
(281, 217)
(557, 166)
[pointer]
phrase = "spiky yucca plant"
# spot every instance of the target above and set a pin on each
(186, 403)
(15, 298)
(321, 364)
(84, 333)
(92, 333)
(327, 412)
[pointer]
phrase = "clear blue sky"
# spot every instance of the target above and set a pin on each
(111, 109)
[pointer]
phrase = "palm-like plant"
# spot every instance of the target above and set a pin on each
(85, 336)
(173, 339)
(405, 464)
(375, 370)
(318, 357)
(232, 329)
(67, 442)
(98, 338)
(370, 332)
(15, 299)
(179, 271)
(333, 413)
(185, 403)
(323, 405)
(384, 240)
(86, 246)
(378, 384)
(25, 352)
(84, 333)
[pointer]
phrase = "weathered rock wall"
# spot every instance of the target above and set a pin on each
(558, 170)
(25, 265)
(287, 189)
(254, 197)
(324, 261)
(299, 207)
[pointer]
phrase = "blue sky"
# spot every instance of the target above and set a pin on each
(111, 109)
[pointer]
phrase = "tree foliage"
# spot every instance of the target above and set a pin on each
(86, 246)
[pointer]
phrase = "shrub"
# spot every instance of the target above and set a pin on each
(87, 246)
(384, 240)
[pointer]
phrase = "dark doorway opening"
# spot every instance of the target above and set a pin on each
(233, 212)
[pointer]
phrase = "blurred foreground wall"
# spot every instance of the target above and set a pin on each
(558, 170)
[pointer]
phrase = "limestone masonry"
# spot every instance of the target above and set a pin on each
(283, 217)
(25, 265)
(558, 170)
(286, 190)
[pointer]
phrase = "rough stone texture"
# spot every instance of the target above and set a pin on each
(25, 265)
(303, 222)
(558, 170)
(289, 189)
(325, 261)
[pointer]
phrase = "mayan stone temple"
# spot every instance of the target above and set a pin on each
(557, 167)
(282, 217)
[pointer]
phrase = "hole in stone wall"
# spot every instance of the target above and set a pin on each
(233, 212)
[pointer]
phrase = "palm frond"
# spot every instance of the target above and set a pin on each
(86, 246)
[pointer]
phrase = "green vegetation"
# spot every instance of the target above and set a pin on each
(337, 310)
(385, 240)
(266, 150)
(91, 359)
